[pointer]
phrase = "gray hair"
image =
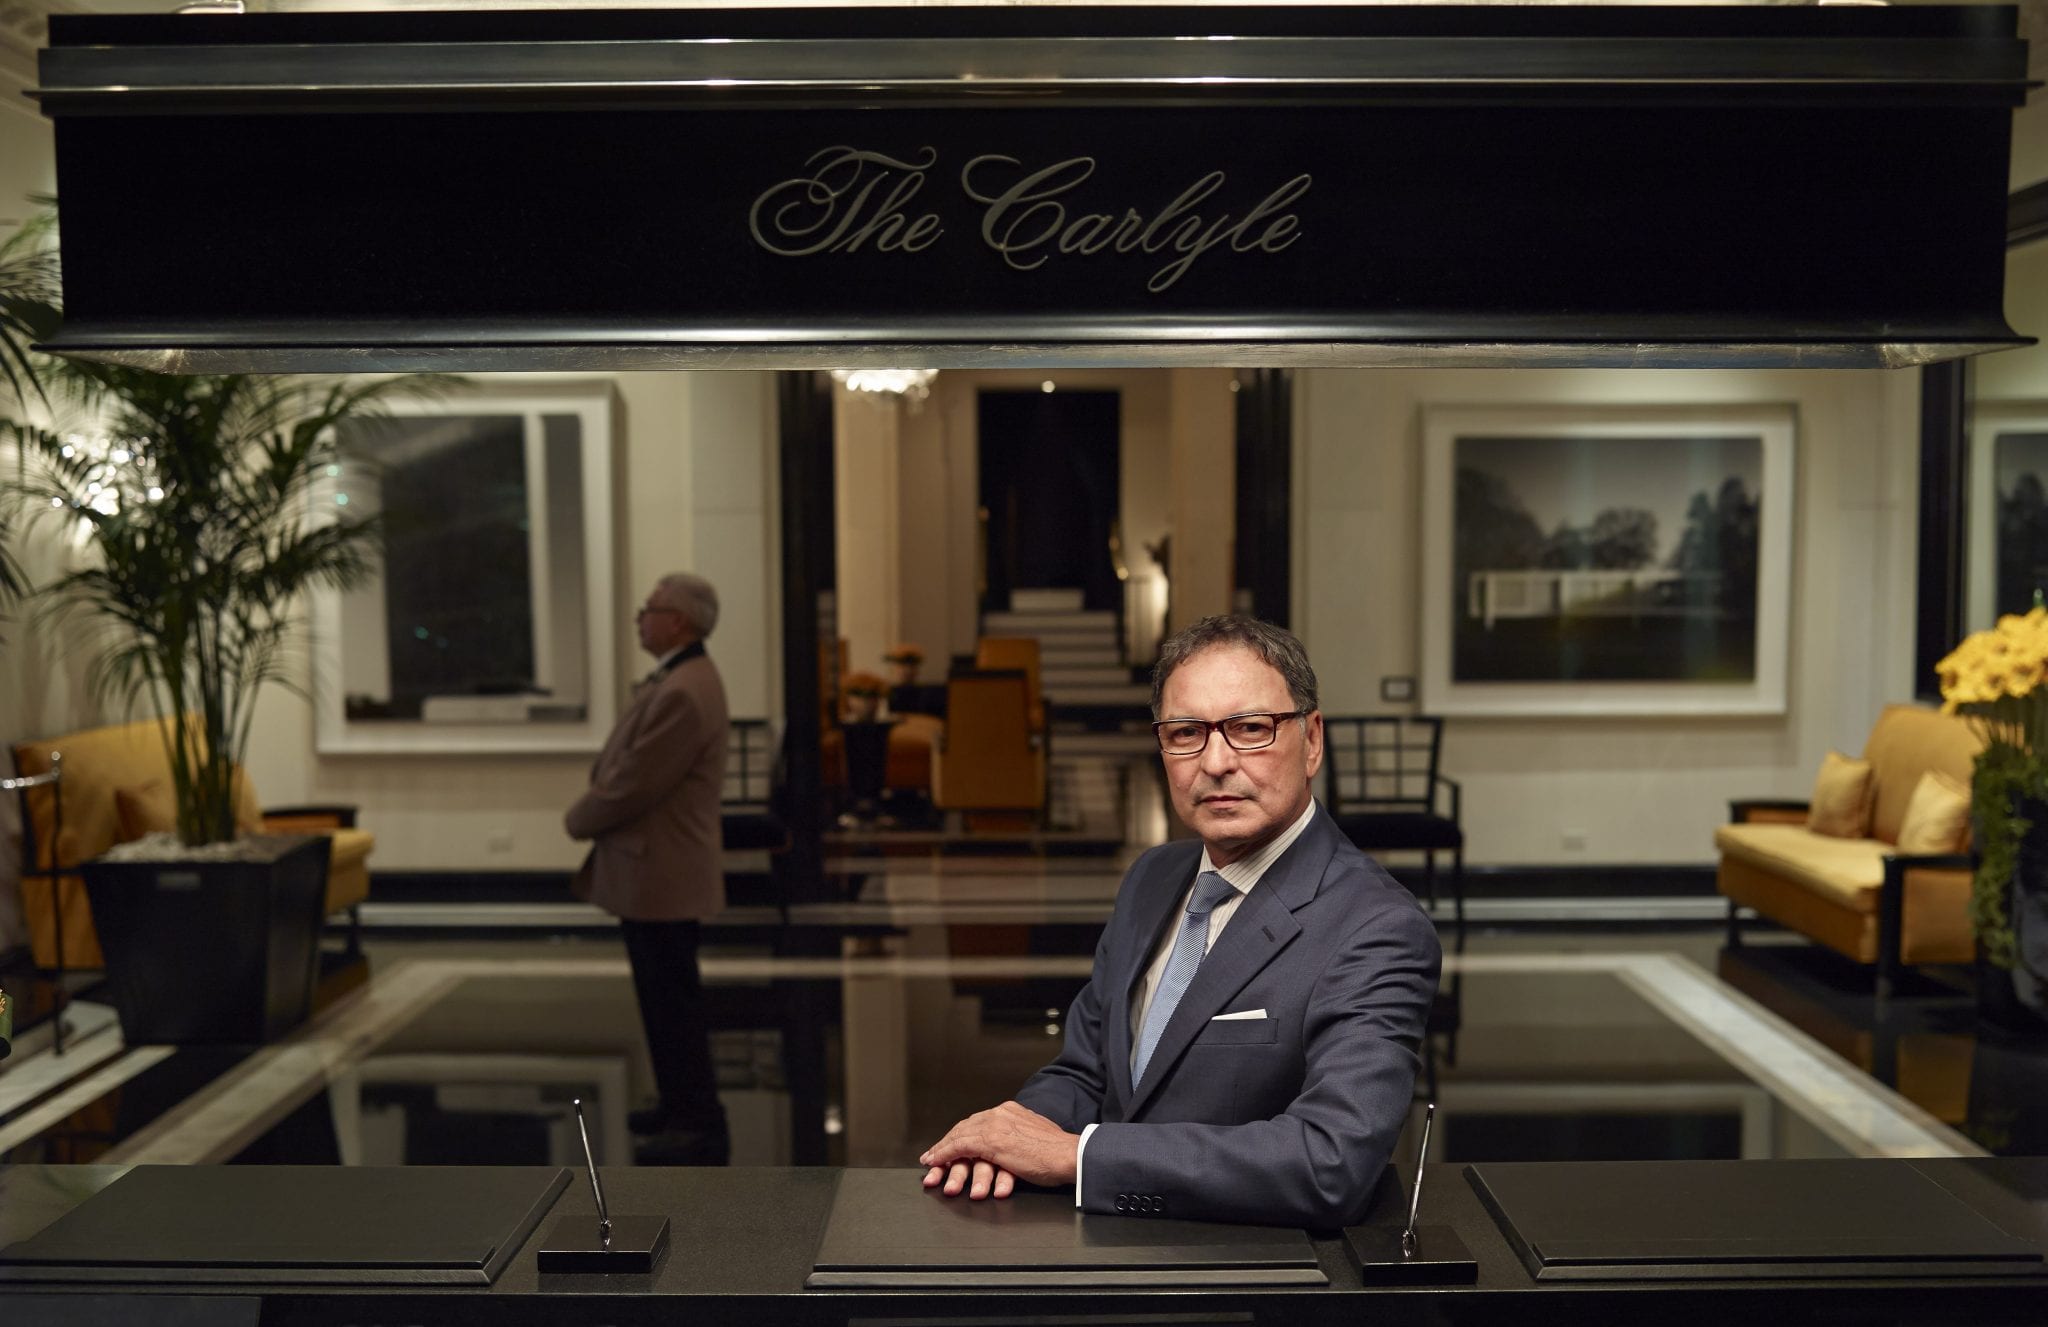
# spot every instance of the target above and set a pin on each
(1277, 646)
(692, 596)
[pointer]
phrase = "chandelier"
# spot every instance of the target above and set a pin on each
(913, 385)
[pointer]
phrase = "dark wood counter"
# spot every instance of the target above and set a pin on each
(743, 1241)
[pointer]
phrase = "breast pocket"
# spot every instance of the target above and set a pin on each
(1238, 1032)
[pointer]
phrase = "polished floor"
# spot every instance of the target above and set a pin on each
(856, 1032)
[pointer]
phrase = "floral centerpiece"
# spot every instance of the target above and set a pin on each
(1998, 678)
(864, 692)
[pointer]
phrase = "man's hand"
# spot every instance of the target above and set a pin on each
(988, 1152)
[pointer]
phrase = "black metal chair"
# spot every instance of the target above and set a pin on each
(1382, 786)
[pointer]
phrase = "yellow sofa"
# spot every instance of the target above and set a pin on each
(117, 786)
(1861, 897)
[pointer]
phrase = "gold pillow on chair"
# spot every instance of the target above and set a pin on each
(1841, 798)
(1937, 817)
(152, 808)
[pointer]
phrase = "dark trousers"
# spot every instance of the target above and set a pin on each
(671, 994)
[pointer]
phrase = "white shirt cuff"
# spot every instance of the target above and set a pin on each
(1080, 1151)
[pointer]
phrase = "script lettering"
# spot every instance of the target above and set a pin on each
(850, 199)
(1026, 223)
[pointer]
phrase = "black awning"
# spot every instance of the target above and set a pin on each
(519, 189)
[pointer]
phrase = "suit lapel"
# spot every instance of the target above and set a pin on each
(1262, 927)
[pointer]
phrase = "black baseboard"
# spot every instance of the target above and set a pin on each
(1481, 882)
(1541, 882)
(742, 887)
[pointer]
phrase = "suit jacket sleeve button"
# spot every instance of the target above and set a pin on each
(1119, 1202)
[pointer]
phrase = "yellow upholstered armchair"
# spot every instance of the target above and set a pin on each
(997, 653)
(1895, 893)
(990, 761)
(116, 786)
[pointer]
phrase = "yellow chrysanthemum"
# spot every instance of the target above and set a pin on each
(2006, 661)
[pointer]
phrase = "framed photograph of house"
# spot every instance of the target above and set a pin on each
(2008, 510)
(1588, 560)
(488, 625)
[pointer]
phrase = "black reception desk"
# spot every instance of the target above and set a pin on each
(744, 1240)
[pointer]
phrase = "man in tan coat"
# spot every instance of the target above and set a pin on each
(652, 815)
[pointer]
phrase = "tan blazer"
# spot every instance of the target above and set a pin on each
(652, 809)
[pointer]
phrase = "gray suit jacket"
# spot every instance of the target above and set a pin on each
(1288, 1119)
(653, 803)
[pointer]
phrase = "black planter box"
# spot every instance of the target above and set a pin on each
(210, 951)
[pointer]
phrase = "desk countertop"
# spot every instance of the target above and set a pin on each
(743, 1240)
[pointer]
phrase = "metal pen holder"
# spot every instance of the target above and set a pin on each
(609, 1244)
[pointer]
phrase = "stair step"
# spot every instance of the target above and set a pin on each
(1120, 746)
(1100, 656)
(1058, 677)
(1047, 600)
(1062, 622)
(1130, 693)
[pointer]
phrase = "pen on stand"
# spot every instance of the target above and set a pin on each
(604, 1220)
(1414, 1201)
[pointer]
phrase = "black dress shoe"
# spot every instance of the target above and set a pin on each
(684, 1147)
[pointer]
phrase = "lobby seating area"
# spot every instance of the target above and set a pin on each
(115, 785)
(1877, 868)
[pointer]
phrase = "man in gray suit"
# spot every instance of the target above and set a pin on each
(1245, 1048)
(652, 813)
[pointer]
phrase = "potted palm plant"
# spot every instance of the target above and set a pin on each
(194, 498)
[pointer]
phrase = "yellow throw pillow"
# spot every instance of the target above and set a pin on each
(1937, 816)
(152, 808)
(1841, 798)
(145, 808)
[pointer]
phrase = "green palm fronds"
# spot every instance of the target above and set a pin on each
(28, 313)
(28, 300)
(196, 493)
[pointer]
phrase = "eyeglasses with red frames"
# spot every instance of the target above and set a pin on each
(1243, 732)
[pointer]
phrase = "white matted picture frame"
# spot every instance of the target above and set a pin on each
(2007, 520)
(488, 626)
(1592, 560)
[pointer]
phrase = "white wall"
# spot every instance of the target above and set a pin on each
(2022, 374)
(1636, 790)
(865, 440)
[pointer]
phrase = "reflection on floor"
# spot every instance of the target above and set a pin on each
(856, 1039)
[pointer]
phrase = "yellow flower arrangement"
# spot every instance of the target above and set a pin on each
(863, 684)
(1996, 679)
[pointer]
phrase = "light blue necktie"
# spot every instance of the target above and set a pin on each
(1188, 948)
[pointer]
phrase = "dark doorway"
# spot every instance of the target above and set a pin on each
(1049, 464)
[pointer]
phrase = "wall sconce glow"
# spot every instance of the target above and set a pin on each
(1048, 387)
(913, 385)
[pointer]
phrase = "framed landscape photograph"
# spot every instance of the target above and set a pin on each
(2008, 510)
(1592, 560)
(487, 626)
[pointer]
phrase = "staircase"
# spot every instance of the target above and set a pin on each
(1090, 695)
(1080, 657)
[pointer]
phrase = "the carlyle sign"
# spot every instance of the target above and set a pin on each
(852, 200)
